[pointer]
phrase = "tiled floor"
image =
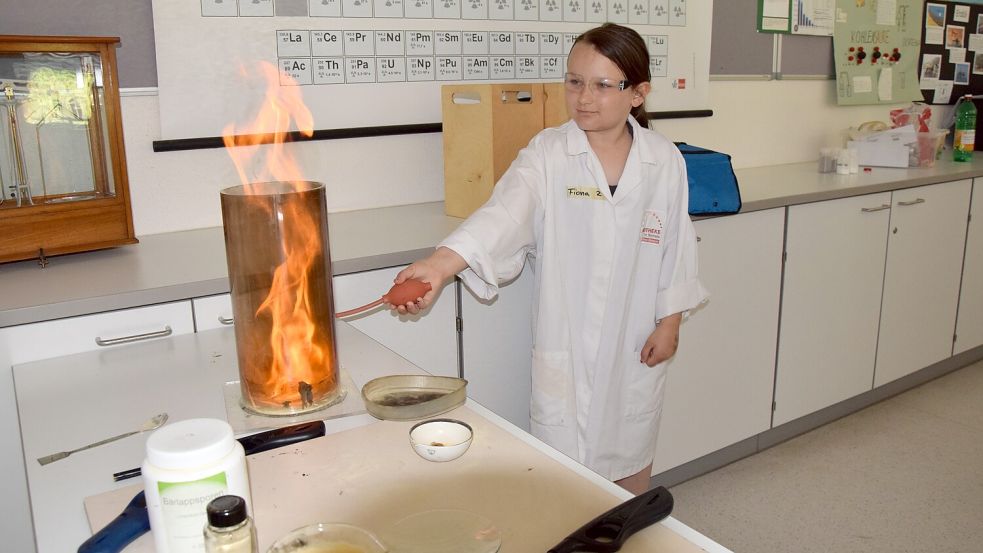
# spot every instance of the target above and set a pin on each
(903, 475)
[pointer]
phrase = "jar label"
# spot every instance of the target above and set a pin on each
(182, 506)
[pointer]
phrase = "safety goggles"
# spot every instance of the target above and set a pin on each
(576, 83)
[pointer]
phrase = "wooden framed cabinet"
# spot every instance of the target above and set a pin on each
(63, 166)
(719, 385)
(831, 302)
(969, 323)
(921, 278)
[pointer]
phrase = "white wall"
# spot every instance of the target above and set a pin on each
(757, 122)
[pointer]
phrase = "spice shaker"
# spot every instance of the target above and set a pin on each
(229, 528)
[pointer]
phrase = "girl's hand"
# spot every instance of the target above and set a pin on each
(662, 343)
(437, 269)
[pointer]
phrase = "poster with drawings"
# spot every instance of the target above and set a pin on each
(951, 57)
(875, 49)
(374, 63)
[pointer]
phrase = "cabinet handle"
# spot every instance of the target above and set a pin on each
(698, 239)
(225, 321)
(873, 209)
(135, 338)
(913, 202)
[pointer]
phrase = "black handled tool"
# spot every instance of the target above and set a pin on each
(263, 441)
(608, 532)
(134, 521)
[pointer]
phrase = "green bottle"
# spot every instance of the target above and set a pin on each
(965, 138)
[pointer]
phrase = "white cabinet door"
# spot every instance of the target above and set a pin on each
(428, 340)
(31, 342)
(497, 348)
(831, 303)
(921, 278)
(719, 386)
(969, 326)
(212, 312)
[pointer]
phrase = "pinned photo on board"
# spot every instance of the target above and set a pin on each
(962, 74)
(960, 13)
(931, 66)
(979, 24)
(978, 63)
(935, 15)
(955, 36)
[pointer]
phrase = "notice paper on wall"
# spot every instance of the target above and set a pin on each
(885, 84)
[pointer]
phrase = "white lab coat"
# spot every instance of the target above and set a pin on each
(605, 270)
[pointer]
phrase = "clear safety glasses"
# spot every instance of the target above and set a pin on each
(599, 87)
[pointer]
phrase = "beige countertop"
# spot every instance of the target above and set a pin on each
(181, 265)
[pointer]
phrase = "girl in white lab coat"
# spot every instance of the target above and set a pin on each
(599, 207)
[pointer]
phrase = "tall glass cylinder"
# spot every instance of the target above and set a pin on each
(276, 242)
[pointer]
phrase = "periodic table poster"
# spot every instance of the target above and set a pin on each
(951, 63)
(363, 63)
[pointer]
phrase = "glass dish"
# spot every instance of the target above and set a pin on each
(411, 397)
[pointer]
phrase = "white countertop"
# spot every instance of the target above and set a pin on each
(69, 401)
(181, 265)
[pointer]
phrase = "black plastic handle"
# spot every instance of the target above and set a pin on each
(279, 437)
(608, 532)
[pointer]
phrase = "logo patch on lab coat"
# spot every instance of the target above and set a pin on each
(652, 228)
(584, 193)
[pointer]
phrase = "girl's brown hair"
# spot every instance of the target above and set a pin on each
(626, 48)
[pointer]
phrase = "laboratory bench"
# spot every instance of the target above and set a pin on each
(363, 472)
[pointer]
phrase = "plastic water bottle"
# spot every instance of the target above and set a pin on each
(965, 138)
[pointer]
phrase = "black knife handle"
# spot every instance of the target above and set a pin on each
(608, 532)
(279, 437)
(262, 441)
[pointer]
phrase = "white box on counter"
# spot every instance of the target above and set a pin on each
(881, 154)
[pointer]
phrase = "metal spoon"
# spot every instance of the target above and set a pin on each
(151, 424)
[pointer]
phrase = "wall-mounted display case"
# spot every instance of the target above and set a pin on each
(62, 163)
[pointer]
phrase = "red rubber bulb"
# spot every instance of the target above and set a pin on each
(406, 291)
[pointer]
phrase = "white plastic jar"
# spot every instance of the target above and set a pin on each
(188, 464)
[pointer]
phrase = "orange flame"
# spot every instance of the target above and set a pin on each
(300, 353)
(271, 126)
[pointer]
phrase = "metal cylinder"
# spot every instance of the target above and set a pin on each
(276, 242)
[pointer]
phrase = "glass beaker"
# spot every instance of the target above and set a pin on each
(276, 241)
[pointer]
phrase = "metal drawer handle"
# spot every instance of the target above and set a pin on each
(873, 209)
(225, 321)
(913, 202)
(135, 338)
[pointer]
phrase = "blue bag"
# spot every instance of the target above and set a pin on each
(713, 188)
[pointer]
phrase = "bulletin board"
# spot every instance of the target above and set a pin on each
(362, 63)
(951, 62)
(875, 48)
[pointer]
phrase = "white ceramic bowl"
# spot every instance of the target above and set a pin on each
(441, 439)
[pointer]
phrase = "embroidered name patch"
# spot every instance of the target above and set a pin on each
(584, 193)
(652, 228)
